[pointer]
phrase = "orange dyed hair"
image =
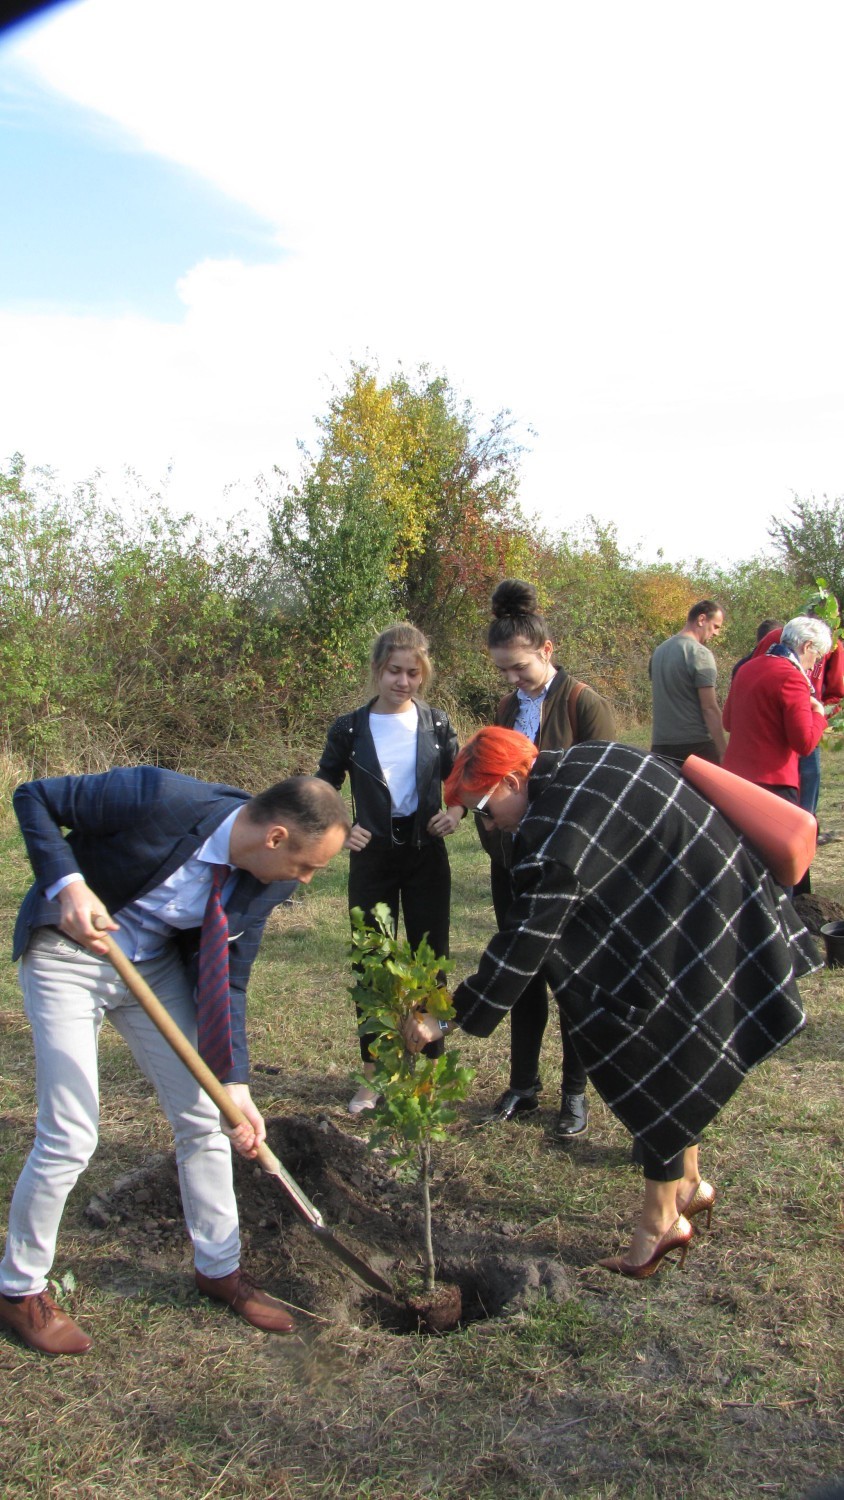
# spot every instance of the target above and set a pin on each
(488, 756)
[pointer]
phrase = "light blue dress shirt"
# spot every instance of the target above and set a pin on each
(529, 715)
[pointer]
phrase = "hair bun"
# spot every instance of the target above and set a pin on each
(513, 597)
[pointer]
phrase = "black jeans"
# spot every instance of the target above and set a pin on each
(415, 879)
(529, 1015)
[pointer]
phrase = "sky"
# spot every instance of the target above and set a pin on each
(619, 221)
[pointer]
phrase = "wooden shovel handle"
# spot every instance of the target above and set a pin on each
(161, 1018)
(220, 1096)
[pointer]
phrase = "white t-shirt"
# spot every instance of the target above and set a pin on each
(395, 745)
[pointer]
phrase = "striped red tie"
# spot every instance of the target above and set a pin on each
(213, 1001)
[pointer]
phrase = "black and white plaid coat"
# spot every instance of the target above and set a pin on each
(670, 949)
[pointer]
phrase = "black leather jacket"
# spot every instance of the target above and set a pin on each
(350, 750)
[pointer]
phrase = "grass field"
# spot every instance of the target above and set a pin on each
(725, 1380)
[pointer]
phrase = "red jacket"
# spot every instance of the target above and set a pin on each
(826, 676)
(771, 722)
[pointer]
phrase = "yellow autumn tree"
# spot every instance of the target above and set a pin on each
(443, 490)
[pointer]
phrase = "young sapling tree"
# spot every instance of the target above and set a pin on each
(417, 1094)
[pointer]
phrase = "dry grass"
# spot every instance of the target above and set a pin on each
(724, 1381)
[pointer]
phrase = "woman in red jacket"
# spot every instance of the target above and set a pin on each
(827, 682)
(771, 712)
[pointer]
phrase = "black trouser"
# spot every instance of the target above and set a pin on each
(415, 878)
(704, 749)
(529, 1015)
(652, 1167)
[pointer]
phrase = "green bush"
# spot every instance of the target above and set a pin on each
(129, 633)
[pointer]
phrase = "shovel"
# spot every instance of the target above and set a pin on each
(235, 1116)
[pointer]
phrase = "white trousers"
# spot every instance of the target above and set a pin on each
(67, 992)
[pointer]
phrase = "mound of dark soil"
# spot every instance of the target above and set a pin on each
(375, 1213)
(814, 910)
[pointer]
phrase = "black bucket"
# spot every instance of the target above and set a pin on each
(833, 936)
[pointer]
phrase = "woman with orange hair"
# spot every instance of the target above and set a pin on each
(628, 887)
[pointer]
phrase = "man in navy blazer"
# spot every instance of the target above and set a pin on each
(140, 854)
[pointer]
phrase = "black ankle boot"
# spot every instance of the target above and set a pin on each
(573, 1118)
(513, 1104)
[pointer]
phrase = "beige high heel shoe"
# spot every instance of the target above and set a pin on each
(702, 1201)
(675, 1238)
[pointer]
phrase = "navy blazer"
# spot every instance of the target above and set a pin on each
(129, 829)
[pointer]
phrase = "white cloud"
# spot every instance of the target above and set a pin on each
(618, 220)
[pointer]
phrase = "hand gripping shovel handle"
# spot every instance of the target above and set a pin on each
(231, 1111)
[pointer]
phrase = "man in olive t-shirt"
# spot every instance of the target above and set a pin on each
(683, 673)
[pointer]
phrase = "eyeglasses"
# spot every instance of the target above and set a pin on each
(481, 807)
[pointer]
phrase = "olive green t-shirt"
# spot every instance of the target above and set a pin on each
(677, 669)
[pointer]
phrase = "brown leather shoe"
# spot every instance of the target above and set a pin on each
(247, 1300)
(40, 1322)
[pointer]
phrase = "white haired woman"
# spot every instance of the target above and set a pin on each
(771, 712)
(628, 886)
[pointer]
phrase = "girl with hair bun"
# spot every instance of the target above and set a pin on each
(554, 711)
(397, 751)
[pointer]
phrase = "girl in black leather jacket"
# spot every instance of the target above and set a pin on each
(397, 751)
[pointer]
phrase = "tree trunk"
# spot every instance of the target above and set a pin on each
(425, 1180)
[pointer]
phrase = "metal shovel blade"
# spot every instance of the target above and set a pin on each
(359, 1267)
(315, 1222)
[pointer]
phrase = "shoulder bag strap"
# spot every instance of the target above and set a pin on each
(576, 690)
